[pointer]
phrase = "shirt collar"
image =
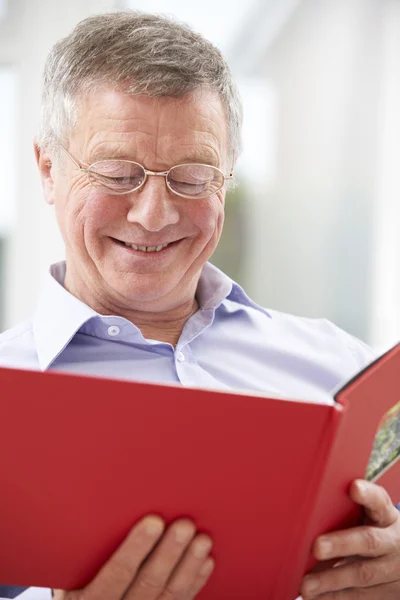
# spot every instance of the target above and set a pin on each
(60, 315)
(215, 287)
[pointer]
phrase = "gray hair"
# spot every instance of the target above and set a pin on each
(140, 53)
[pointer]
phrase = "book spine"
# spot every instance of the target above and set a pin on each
(295, 565)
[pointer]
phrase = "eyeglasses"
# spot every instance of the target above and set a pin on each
(124, 176)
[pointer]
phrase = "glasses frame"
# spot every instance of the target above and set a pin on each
(147, 172)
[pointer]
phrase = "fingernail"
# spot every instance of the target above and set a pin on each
(362, 487)
(154, 526)
(310, 585)
(183, 533)
(325, 547)
(207, 568)
(201, 548)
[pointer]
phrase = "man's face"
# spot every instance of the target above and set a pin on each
(157, 133)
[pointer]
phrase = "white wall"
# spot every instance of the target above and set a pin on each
(385, 306)
(26, 35)
(8, 95)
(315, 244)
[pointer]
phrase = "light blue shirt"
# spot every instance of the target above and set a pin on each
(230, 342)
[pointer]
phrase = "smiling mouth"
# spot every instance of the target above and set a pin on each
(146, 249)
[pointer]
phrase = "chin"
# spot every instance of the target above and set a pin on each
(137, 294)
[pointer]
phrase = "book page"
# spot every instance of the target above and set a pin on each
(386, 449)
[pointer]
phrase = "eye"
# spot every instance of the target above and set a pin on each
(195, 180)
(117, 175)
(186, 186)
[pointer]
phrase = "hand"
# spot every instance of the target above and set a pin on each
(370, 565)
(152, 565)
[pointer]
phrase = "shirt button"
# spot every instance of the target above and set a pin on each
(113, 330)
(180, 356)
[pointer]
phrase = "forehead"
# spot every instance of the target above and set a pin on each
(113, 124)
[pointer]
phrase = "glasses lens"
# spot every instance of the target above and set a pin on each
(116, 176)
(195, 181)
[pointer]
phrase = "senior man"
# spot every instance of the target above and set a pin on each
(139, 136)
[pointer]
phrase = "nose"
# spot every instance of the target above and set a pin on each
(152, 206)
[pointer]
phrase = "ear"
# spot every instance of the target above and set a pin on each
(44, 162)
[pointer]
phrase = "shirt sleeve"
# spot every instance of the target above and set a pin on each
(34, 593)
(362, 354)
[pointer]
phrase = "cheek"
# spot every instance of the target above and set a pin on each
(81, 211)
(70, 200)
(209, 215)
(100, 210)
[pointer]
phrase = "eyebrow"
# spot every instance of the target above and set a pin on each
(198, 156)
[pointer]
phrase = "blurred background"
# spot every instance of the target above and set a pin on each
(313, 228)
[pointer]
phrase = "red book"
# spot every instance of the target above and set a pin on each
(83, 458)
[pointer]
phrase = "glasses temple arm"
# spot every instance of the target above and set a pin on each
(72, 158)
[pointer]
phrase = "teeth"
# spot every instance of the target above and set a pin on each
(147, 248)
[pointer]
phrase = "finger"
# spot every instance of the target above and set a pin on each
(156, 571)
(376, 501)
(389, 591)
(358, 574)
(115, 577)
(202, 578)
(184, 577)
(329, 564)
(366, 541)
